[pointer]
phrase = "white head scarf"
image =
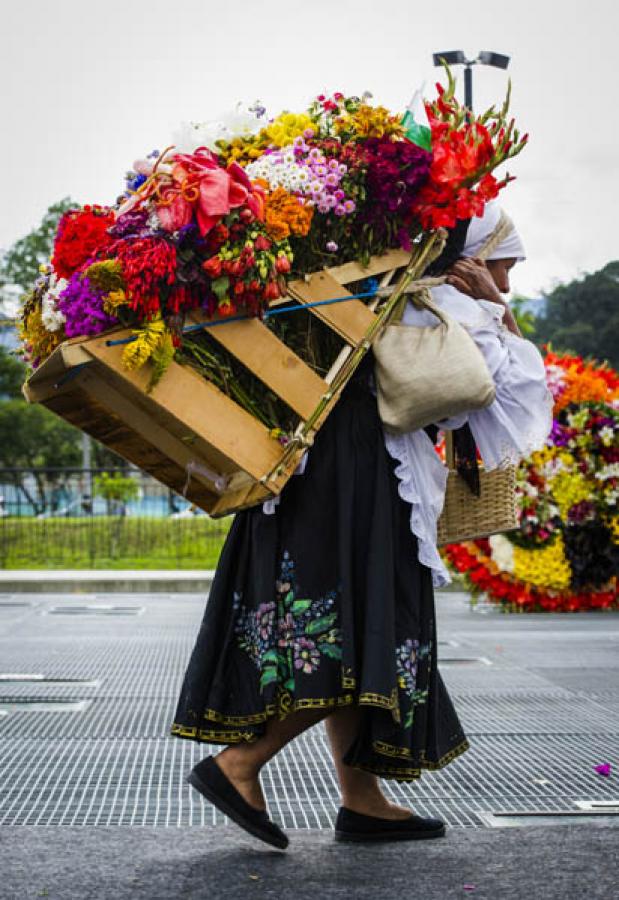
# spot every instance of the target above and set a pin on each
(480, 229)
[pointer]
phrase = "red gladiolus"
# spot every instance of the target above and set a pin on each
(282, 264)
(147, 265)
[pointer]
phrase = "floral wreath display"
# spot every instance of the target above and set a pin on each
(222, 220)
(565, 555)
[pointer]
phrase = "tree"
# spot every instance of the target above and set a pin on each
(12, 374)
(31, 437)
(20, 265)
(583, 316)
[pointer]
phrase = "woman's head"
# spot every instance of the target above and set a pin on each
(500, 269)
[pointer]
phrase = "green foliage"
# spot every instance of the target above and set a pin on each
(21, 263)
(32, 436)
(583, 316)
(524, 317)
(12, 374)
(110, 542)
(116, 487)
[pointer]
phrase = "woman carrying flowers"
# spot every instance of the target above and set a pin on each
(322, 606)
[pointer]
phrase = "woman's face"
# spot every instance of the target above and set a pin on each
(500, 269)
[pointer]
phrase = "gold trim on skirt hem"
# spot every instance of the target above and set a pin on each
(286, 705)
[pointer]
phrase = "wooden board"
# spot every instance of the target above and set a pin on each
(350, 319)
(270, 360)
(198, 406)
(354, 271)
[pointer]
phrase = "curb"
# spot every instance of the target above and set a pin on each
(92, 581)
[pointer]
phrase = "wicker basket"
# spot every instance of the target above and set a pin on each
(465, 516)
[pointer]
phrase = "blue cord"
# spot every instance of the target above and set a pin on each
(372, 283)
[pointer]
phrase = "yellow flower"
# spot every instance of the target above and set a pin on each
(33, 333)
(106, 275)
(148, 338)
(545, 567)
(285, 128)
(370, 121)
(113, 300)
(569, 488)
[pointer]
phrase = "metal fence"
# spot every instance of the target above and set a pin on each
(101, 518)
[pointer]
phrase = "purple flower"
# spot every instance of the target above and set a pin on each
(82, 306)
(134, 223)
(332, 247)
(306, 655)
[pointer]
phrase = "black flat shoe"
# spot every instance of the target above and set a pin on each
(210, 781)
(352, 826)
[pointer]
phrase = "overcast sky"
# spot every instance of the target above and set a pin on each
(88, 87)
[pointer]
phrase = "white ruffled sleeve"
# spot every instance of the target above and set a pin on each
(519, 419)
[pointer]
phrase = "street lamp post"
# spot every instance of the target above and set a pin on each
(458, 58)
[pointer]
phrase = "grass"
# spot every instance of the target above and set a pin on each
(111, 542)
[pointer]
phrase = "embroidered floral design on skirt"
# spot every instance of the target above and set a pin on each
(289, 634)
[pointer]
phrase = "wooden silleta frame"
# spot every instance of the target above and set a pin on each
(188, 434)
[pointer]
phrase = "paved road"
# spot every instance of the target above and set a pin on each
(88, 687)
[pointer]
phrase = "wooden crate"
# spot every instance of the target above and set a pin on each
(187, 433)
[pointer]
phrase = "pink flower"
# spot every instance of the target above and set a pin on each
(201, 187)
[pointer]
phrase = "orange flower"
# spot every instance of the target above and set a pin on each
(583, 382)
(286, 215)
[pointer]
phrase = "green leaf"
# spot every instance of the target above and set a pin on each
(331, 650)
(269, 676)
(300, 606)
(270, 656)
(289, 599)
(220, 286)
(319, 625)
(290, 684)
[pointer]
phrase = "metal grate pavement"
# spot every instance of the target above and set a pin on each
(535, 740)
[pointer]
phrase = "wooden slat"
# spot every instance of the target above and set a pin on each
(142, 423)
(201, 408)
(271, 361)
(354, 271)
(350, 319)
(102, 423)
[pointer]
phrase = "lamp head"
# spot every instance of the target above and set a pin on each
(489, 58)
(451, 57)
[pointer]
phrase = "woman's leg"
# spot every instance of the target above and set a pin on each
(360, 790)
(241, 763)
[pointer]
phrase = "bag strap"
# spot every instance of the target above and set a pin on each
(503, 227)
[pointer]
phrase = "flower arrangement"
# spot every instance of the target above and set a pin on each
(220, 222)
(565, 555)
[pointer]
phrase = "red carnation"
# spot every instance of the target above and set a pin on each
(81, 235)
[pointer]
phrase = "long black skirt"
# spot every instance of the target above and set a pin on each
(324, 604)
